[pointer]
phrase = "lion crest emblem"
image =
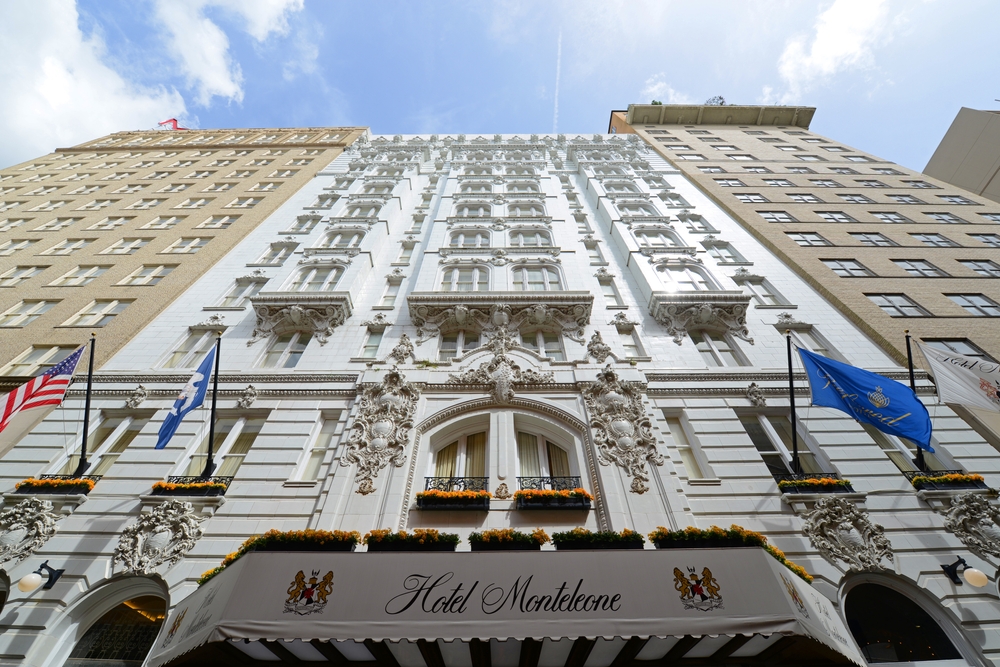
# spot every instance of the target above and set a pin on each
(698, 592)
(308, 596)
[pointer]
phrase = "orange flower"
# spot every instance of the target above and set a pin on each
(454, 495)
(32, 483)
(550, 494)
(950, 478)
(813, 481)
(189, 486)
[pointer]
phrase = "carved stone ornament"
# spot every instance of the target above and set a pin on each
(785, 319)
(136, 399)
(316, 315)
(501, 373)
(25, 527)
(247, 398)
(377, 324)
(402, 351)
(681, 318)
(568, 318)
(622, 430)
(756, 396)
(381, 429)
(160, 537)
(597, 348)
(843, 532)
(976, 522)
(502, 492)
(623, 323)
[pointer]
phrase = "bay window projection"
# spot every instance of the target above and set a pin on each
(316, 279)
(234, 436)
(326, 439)
(772, 436)
(716, 349)
(544, 344)
(538, 457)
(469, 279)
(465, 457)
(286, 350)
(457, 343)
(536, 279)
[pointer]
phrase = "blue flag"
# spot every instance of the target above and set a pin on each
(191, 397)
(874, 399)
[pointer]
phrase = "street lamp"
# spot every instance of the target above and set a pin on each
(30, 582)
(975, 577)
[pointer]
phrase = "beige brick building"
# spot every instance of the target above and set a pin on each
(894, 249)
(136, 217)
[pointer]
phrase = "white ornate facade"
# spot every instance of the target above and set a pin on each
(566, 292)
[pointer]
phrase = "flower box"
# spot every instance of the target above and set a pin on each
(306, 546)
(193, 489)
(530, 499)
(419, 540)
(707, 543)
(820, 485)
(930, 482)
(469, 501)
(581, 538)
(507, 539)
(35, 486)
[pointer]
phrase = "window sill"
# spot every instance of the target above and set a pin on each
(399, 264)
(617, 307)
(363, 360)
(735, 263)
(226, 308)
(383, 307)
(763, 307)
(300, 484)
(707, 481)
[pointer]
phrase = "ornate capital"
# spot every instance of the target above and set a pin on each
(622, 430)
(25, 527)
(160, 537)
(286, 312)
(381, 428)
(976, 522)
(841, 531)
(720, 312)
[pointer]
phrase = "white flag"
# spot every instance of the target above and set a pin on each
(964, 380)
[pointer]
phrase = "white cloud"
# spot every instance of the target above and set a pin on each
(657, 88)
(845, 35)
(58, 89)
(202, 48)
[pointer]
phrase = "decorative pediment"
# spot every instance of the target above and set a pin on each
(722, 312)
(501, 372)
(566, 311)
(308, 312)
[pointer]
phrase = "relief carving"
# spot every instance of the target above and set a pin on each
(501, 373)
(680, 318)
(160, 537)
(597, 348)
(843, 532)
(976, 522)
(318, 319)
(25, 527)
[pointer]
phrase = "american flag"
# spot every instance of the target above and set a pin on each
(41, 391)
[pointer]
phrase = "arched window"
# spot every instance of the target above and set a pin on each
(685, 279)
(537, 456)
(474, 210)
(637, 210)
(530, 238)
(478, 171)
(464, 457)
(377, 189)
(536, 279)
(123, 636)
(317, 279)
(656, 239)
(470, 238)
(343, 239)
(363, 211)
(466, 279)
(523, 187)
(476, 186)
(890, 627)
(620, 187)
(609, 171)
(527, 209)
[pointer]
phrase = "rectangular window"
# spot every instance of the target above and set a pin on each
(946, 218)
(808, 239)
(730, 183)
(764, 293)
(754, 169)
(978, 305)
(824, 183)
(804, 198)
(326, 440)
(192, 350)
(110, 223)
(194, 203)
(148, 275)
(25, 313)
(18, 274)
(456, 344)
(236, 435)
(389, 295)
(751, 198)
(726, 253)
(219, 222)
(163, 222)
(992, 240)
(276, 254)
(905, 199)
(404, 255)
(843, 170)
(186, 246)
(936, 240)
(630, 344)
(594, 254)
(56, 224)
(983, 267)
(285, 351)
(98, 314)
(240, 293)
(992, 217)
(67, 247)
(544, 344)
(800, 170)
(244, 202)
(777, 216)
(111, 438)
(857, 199)
(771, 435)
(957, 346)
(716, 349)
(956, 199)
(611, 294)
(712, 170)
(873, 239)
(125, 247)
(372, 342)
(678, 438)
(902, 454)
(920, 268)
(9, 247)
(81, 275)
(835, 216)
(37, 360)
(145, 204)
(898, 305)
(779, 183)
(891, 218)
(741, 157)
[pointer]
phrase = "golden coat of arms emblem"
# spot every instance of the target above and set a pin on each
(308, 596)
(698, 592)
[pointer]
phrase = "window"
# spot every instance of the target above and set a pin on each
(957, 346)
(108, 442)
(173, 187)
(44, 206)
(195, 203)
(219, 187)
(530, 238)
(243, 202)
(56, 224)
(655, 239)
(38, 359)
(730, 183)
(847, 171)
(810, 158)
(983, 267)
(873, 239)
(771, 435)
(159, 175)
(470, 239)
(725, 148)
(808, 239)
(536, 279)
(303, 224)
(777, 216)
(800, 170)
(285, 351)
(12, 223)
(901, 452)
(811, 340)
(824, 183)
(9, 247)
(97, 204)
(685, 279)
(404, 255)
(219, 222)
(12, 277)
(992, 217)
(978, 305)
(67, 247)
(185, 246)
(835, 216)
(790, 148)
(630, 344)
(236, 435)
(544, 344)
(680, 147)
(898, 305)
(690, 157)
(711, 170)
(611, 294)
(694, 464)
(539, 457)
(81, 275)
(317, 279)
(936, 240)
(192, 350)
(199, 174)
(326, 439)
(992, 240)
(465, 457)
(856, 158)
(891, 218)
(370, 348)
(145, 204)
(725, 252)
(458, 343)
(905, 199)
(764, 293)
(921, 184)
(240, 292)
(716, 350)
(741, 157)
(886, 171)
(920, 268)
(856, 199)
(125, 247)
(956, 199)
(148, 275)
(754, 169)
(164, 222)
(805, 198)
(779, 183)
(98, 314)
(110, 223)
(25, 313)
(473, 210)
(389, 295)
(343, 239)
(276, 254)
(468, 279)
(751, 198)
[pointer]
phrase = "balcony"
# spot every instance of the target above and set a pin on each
(455, 493)
(316, 313)
(813, 482)
(551, 493)
(717, 311)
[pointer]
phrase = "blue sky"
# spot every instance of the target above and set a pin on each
(887, 76)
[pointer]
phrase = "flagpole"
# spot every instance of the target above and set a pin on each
(913, 385)
(791, 399)
(83, 465)
(209, 463)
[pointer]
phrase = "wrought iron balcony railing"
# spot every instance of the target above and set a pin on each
(548, 483)
(194, 479)
(456, 484)
(796, 476)
(931, 473)
(94, 478)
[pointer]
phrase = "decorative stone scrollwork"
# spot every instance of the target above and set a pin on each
(976, 522)
(25, 527)
(597, 348)
(622, 430)
(681, 314)
(402, 351)
(283, 313)
(136, 399)
(501, 373)
(843, 532)
(160, 537)
(381, 429)
(502, 492)
(247, 398)
(756, 396)
(623, 323)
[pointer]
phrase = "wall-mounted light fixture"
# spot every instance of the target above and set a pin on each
(30, 582)
(975, 577)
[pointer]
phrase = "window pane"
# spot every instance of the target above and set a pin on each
(558, 461)
(527, 455)
(445, 462)
(475, 455)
